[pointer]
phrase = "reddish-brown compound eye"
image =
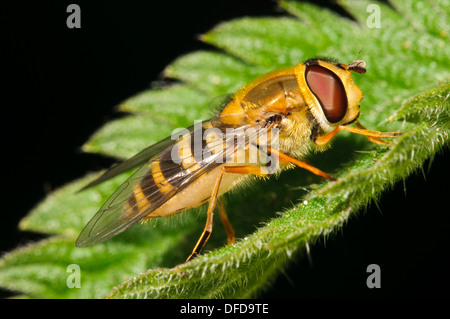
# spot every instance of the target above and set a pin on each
(329, 91)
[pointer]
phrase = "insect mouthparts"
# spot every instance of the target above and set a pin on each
(276, 118)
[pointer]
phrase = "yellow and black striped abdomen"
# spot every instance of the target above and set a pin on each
(179, 179)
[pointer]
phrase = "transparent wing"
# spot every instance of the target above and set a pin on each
(118, 213)
(135, 161)
(148, 188)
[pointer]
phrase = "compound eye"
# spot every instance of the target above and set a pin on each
(329, 91)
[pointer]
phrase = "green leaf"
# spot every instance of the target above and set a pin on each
(241, 270)
(174, 106)
(269, 42)
(406, 88)
(199, 69)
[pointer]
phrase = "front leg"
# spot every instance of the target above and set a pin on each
(373, 136)
(248, 170)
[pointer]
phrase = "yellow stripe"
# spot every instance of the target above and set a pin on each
(185, 154)
(142, 202)
(160, 181)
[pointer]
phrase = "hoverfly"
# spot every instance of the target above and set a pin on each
(305, 105)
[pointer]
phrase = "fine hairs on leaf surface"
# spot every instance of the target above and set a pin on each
(405, 88)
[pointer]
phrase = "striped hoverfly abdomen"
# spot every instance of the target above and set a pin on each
(268, 125)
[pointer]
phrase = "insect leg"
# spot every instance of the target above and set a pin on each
(324, 139)
(253, 170)
(373, 136)
(226, 223)
(287, 159)
(209, 220)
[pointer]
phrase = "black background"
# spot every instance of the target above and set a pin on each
(61, 84)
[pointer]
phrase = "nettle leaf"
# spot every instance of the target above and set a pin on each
(406, 88)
